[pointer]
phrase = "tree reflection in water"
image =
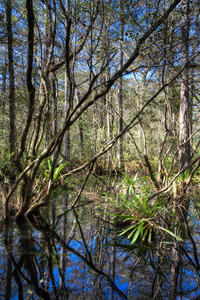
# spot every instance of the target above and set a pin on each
(41, 262)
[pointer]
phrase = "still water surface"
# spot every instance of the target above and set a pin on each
(71, 256)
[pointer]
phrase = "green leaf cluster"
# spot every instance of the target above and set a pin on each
(46, 169)
(138, 217)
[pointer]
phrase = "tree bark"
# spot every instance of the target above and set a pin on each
(68, 85)
(184, 119)
(30, 87)
(12, 137)
(120, 97)
(180, 203)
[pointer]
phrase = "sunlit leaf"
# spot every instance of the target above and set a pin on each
(58, 170)
(171, 233)
(145, 234)
(128, 229)
(136, 235)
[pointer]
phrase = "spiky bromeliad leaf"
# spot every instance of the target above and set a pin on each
(138, 232)
(146, 206)
(132, 232)
(58, 170)
(171, 233)
(134, 227)
(124, 217)
(46, 175)
(145, 234)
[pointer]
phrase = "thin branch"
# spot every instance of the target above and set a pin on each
(83, 186)
(82, 235)
(127, 127)
(191, 136)
(44, 226)
(174, 178)
(112, 81)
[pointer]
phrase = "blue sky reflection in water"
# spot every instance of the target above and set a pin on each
(31, 258)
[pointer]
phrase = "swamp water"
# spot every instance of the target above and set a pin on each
(68, 254)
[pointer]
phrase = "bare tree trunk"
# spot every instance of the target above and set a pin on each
(54, 131)
(28, 183)
(80, 124)
(180, 203)
(109, 133)
(11, 75)
(67, 147)
(3, 89)
(54, 104)
(120, 97)
(184, 119)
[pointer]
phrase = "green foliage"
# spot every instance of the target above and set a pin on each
(58, 170)
(130, 182)
(46, 169)
(5, 159)
(138, 217)
(185, 175)
(6, 165)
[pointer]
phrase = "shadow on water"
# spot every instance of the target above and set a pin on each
(71, 259)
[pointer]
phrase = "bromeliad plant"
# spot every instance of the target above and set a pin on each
(139, 219)
(46, 169)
